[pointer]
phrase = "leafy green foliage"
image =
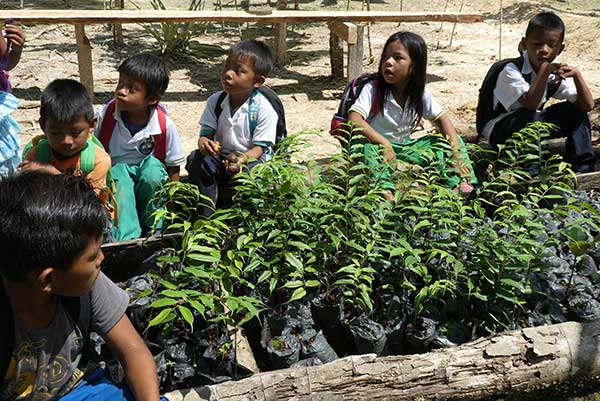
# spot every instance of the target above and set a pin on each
(306, 229)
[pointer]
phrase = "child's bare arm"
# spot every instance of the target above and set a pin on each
(173, 173)
(373, 136)
(34, 165)
(585, 100)
(136, 359)
(446, 128)
(15, 38)
(532, 98)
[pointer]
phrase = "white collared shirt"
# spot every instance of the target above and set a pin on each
(233, 131)
(511, 85)
(396, 122)
(131, 150)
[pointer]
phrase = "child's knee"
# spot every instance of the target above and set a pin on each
(152, 176)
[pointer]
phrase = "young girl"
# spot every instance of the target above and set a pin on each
(9, 129)
(402, 100)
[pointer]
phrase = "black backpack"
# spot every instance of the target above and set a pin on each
(275, 101)
(80, 310)
(485, 104)
(349, 96)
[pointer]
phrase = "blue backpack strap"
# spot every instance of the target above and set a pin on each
(253, 106)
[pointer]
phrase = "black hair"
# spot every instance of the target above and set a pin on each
(149, 69)
(46, 220)
(65, 100)
(546, 21)
(258, 52)
(417, 50)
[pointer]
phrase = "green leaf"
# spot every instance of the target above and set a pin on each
(299, 293)
(312, 283)
(158, 319)
(187, 315)
(293, 260)
(173, 294)
(293, 284)
(198, 306)
(162, 302)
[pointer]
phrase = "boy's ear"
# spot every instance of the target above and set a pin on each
(153, 101)
(93, 125)
(42, 125)
(560, 50)
(45, 279)
(260, 80)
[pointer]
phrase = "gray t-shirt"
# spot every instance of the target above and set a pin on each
(44, 364)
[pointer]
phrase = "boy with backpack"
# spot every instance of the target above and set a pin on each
(240, 124)
(68, 145)
(515, 91)
(52, 294)
(142, 141)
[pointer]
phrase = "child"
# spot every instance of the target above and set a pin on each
(523, 87)
(402, 98)
(11, 47)
(142, 142)
(228, 143)
(68, 146)
(52, 294)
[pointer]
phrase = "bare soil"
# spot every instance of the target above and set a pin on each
(459, 56)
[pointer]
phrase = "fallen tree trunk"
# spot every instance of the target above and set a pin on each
(526, 364)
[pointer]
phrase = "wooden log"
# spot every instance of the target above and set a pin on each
(125, 259)
(139, 16)
(588, 181)
(540, 362)
(118, 27)
(355, 54)
(84, 59)
(336, 55)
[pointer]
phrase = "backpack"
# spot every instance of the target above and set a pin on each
(108, 125)
(275, 102)
(79, 309)
(43, 152)
(485, 103)
(349, 96)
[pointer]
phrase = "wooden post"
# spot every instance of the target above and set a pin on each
(355, 54)
(336, 55)
(340, 31)
(84, 58)
(117, 27)
(280, 37)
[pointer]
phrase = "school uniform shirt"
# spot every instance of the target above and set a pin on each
(395, 122)
(72, 165)
(511, 85)
(233, 131)
(45, 362)
(132, 149)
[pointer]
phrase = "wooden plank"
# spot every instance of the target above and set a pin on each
(588, 181)
(84, 59)
(346, 31)
(355, 54)
(137, 16)
(118, 27)
(336, 55)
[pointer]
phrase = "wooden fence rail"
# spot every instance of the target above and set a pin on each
(342, 26)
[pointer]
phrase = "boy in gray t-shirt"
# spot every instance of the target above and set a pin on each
(52, 294)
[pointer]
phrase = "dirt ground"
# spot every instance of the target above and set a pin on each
(459, 56)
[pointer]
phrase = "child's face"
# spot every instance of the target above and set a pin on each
(81, 276)
(238, 77)
(67, 140)
(543, 46)
(397, 64)
(132, 94)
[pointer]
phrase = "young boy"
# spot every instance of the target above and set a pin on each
(522, 90)
(52, 294)
(229, 140)
(142, 142)
(67, 120)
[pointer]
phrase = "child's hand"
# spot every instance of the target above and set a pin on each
(32, 165)
(208, 147)
(566, 71)
(389, 155)
(14, 36)
(232, 164)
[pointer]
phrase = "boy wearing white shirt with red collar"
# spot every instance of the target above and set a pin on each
(142, 140)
